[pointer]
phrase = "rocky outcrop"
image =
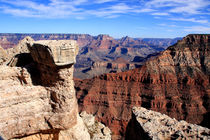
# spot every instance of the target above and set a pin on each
(3, 56)
(97, 130)
(19, 55)
(43, 100)
(176, 83)
(38, 98)
(159, 126)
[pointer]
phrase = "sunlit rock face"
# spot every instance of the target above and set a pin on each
(54, 52)
(176, 83)
(39, 97)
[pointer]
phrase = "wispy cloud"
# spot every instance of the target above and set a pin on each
(190, 19)
(116, 10)
(103, 1)
(54, 9)
(167, 25)
(81, 9)
(197, 29)
(73, 8)
(179, 6)
(160, 14)
(185, 9)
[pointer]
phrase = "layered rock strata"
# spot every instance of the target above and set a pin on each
(176, 83)
(45, 104)
(159, 126)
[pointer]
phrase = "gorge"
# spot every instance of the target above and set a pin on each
(37, 93)
(176, 83)
(100, 54)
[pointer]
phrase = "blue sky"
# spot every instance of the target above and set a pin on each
(118, 18)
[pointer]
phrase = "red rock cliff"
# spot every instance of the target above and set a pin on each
(175, 83)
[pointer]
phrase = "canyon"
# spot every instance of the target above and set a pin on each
(175, 82)
(100, 54)
(38, 91)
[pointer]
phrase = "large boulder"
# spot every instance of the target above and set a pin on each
(54, 52)
(44, 108)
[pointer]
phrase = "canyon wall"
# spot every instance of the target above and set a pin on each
(176, 83)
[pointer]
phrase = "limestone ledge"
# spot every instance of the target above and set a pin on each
(161, 127)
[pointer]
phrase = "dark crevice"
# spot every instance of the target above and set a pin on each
(134, 131)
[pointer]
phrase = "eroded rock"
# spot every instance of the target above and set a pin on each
(3, 56)
(97, 130)
(161, 127)
(54, 52)
(47, 107)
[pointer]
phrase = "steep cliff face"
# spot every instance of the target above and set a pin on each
(154, 125)
(37, 94)
(47, 105)
(175, 83)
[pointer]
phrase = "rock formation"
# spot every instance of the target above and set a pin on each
(3, 56)
(154, 125)
(37, 98)
(97, 130)
(48, 106)
(176, 83)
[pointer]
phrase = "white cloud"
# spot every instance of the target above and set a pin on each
(80, 9)
(103, 1)
(179, 6)
(65, 8)
(167, 25)
(160, 14)
(54, 9)
(116, 10)
(190, 20)
(198, 29)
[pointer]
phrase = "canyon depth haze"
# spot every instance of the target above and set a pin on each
(104, 70)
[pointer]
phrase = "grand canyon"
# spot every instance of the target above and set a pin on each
(122, 82)
(105, 70)
(100, 54)
(175, 82)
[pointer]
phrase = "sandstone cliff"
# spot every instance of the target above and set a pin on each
(37, 93)
(147, 124)
(176, 83)
(50, 105)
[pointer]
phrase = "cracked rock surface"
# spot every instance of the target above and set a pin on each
(161, 127)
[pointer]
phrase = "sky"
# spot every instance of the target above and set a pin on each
(117, 18)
